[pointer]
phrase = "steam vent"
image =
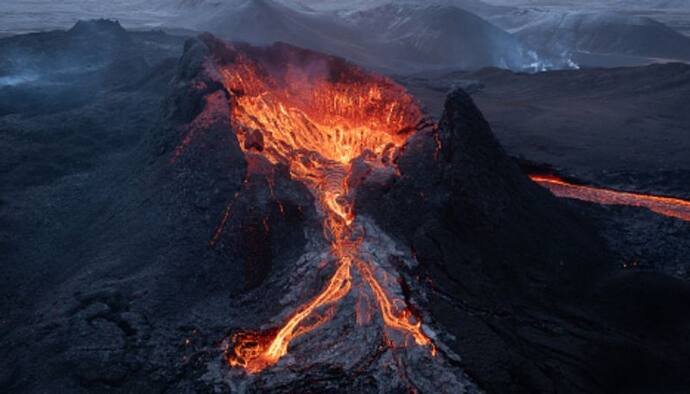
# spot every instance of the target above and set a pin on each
(370, 237)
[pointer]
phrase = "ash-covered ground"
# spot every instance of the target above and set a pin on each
(109, 282)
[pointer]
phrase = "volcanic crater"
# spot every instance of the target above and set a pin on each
(382, 178)
(331, 125)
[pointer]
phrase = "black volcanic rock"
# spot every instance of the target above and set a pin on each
(593, 124)
(524, 286)
(157, 230)
(253, 221)
(462, 191)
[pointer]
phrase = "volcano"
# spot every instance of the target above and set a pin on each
(396, 212)
(331, 125)
(287, 221)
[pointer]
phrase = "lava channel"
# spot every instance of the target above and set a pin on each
(318, 118)
(667, 206)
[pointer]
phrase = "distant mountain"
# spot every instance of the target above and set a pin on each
(265, 22)
(475, 6)
(599, 4)
(442, 36)
(403, 36)
(656, 4)
(57, 70)
(605, 33)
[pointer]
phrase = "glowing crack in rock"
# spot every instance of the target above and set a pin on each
(318, 118)
(667, 206)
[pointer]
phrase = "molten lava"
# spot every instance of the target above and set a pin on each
(318, 117)
(667, 206)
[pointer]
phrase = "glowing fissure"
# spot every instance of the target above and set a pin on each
(318, 123)
(667, 206)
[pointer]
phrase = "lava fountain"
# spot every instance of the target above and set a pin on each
(319, 117)
(667, 206)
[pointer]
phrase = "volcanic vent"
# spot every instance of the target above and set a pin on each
(329, 125)
(327, 121)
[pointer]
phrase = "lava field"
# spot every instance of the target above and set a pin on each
(191, 214)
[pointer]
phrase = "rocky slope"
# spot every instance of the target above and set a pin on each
(530, 314)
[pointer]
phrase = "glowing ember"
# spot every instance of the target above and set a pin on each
(317, 118)
(672, 207)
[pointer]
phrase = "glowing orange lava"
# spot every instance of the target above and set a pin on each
(667, 206)
(318, 116)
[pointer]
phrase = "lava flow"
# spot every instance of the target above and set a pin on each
(667, 206)
(318, 117)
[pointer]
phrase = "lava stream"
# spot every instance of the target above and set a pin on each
(667, 206)
(319, 118)
(246, 354)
